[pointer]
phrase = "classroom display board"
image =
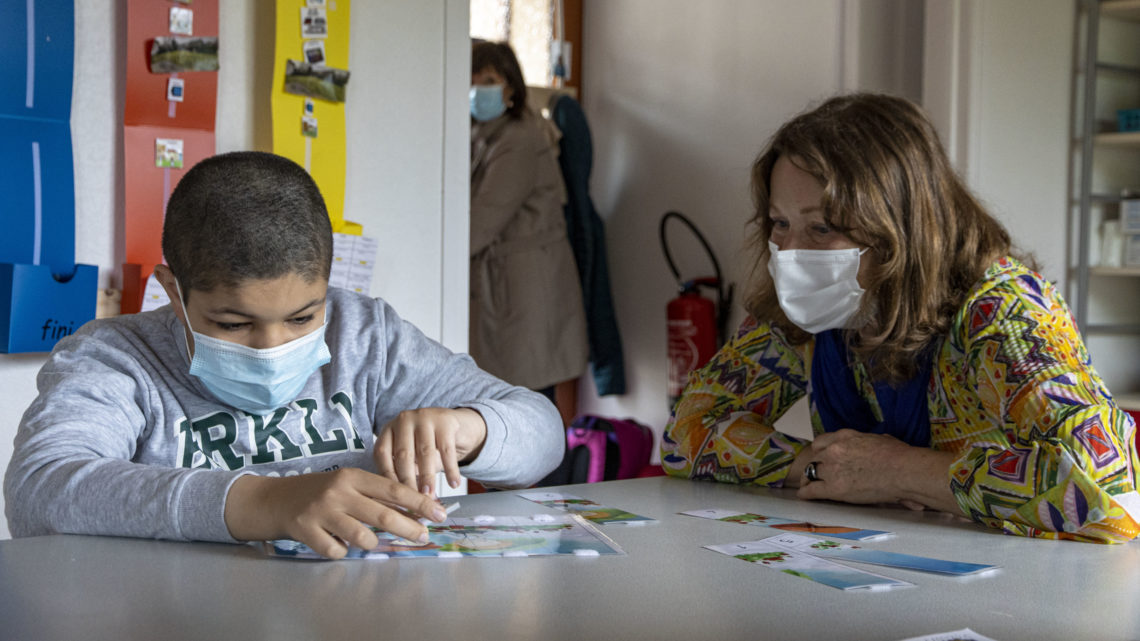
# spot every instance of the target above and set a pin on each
(310, 80)
(44, 295)
(168, 120)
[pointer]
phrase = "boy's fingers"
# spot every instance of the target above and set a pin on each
(450, 460)
(402, 525)
(353, 532)
(404, 449)
(395, 496)
(427, 457)
(379, 513)
(382, 453)
(322, 542)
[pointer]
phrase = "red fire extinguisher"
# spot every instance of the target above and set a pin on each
(696, 325)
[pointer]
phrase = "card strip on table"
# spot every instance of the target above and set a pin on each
(501, 536)
(749, 518)
(586, 508)
(808, 566)
(846, 552)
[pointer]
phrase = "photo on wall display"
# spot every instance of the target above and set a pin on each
(181, 21)
(324, 83)
(315, 52)
(168, 153)
(314, 22)
(308, 126)
(174, 89)
(175, 54)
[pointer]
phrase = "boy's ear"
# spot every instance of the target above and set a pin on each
(165, 278)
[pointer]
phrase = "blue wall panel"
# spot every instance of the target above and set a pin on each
(35, 77)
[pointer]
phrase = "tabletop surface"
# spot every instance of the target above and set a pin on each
(664, 587)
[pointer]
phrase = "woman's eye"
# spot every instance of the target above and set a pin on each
(302, 320)
(231, 327)
(821, 229)
(779, 224)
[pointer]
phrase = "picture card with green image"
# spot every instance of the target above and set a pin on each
(586, 508)
(808, 566)
(790, 525)
(846, 552)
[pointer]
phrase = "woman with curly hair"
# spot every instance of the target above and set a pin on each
(942, 371)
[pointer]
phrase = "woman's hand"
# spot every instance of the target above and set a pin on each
(328, 510)
(856, 467)
(413, 447)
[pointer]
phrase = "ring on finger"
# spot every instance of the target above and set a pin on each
(811, 472)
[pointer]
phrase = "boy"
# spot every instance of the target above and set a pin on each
(261, 404)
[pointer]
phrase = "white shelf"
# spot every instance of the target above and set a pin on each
(1119, 139)
(1122, 9)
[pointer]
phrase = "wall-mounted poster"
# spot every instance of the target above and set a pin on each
(314, 22)
(324, 83)
(44, 294)
(171, 54)
(181, 21)
(168, 153)
(168, 121)
(300, 82)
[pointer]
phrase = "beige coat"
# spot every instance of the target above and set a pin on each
(528, 325)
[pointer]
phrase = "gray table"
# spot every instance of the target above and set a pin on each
(666, 587)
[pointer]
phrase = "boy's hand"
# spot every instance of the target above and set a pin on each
(326, 510)
(412, 447)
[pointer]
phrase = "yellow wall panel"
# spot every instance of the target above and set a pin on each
(323, 156)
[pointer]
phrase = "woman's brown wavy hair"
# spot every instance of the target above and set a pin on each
(887, 185)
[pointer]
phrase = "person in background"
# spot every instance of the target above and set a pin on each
(942, 371)
(528, 324)
(261, 403)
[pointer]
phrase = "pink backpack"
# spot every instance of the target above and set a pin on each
(603, 449)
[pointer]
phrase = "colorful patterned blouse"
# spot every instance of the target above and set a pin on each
(1043, 450)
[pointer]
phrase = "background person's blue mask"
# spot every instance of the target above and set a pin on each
(487, 102)
(256, 381)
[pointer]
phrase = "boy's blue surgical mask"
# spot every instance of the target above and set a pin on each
(256, 381)
(487, 102)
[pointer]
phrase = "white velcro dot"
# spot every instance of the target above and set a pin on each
(519, 553)
(543, 518)
(484, 518)
(586, 553)
(450, 554)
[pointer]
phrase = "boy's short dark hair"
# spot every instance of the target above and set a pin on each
(245, 215)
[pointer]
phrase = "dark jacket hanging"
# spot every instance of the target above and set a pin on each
(587, 237)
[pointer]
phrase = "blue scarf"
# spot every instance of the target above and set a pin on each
(840, 405)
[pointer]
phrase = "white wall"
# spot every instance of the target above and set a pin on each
(998, 84)
(407, 179)
(681, 97)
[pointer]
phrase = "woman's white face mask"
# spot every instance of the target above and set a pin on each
(818, 289)
(816, 274)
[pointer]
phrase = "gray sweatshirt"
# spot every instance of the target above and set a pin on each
(123, 441)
